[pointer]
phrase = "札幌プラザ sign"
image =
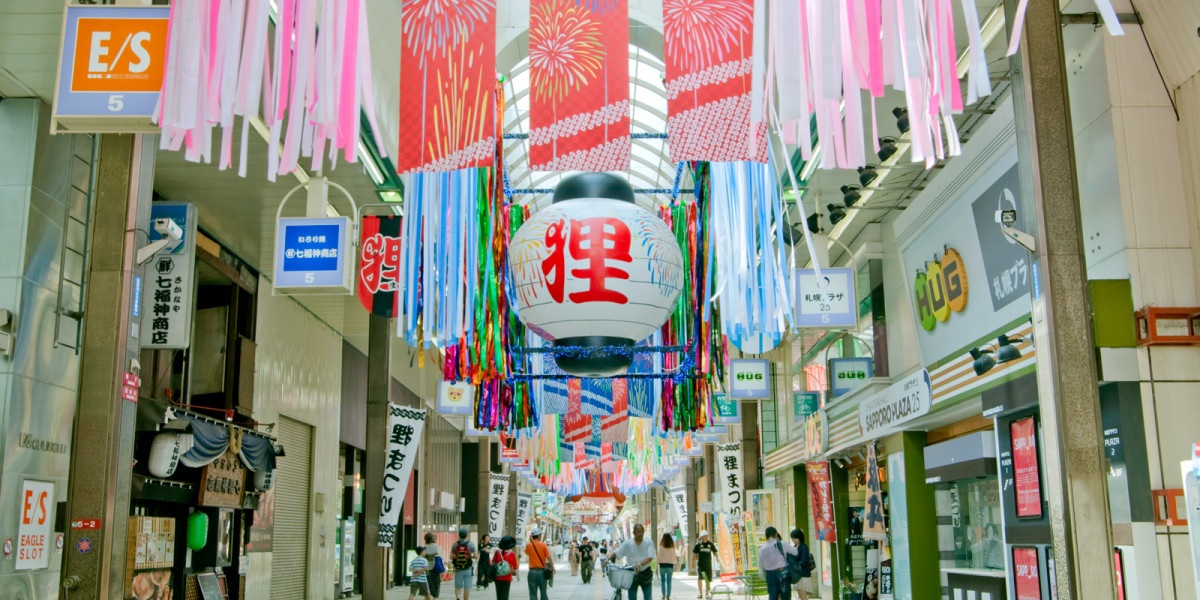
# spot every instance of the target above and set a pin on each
(902, 401)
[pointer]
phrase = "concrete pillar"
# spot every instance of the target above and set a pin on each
(481, 499)
(1075, 475)
(374, 559)
(104, 423)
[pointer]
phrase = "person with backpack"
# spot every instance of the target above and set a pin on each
(806, 563)
(433, 553)
(505, 566)
(462, 557)
(773, 563)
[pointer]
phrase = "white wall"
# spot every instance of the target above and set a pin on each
(299, 375)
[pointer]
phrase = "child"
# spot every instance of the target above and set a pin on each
(418, 583)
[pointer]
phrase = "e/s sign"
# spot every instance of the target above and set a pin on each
(33, 533)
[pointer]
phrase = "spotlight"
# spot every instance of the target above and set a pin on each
(887, 148)
(836, 213)
(1005, 351)
(983, 360)
(851, 194)
(867, 174)
(901, 114)
(814, 223)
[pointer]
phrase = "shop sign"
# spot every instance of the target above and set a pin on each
(1005, 263)
(169, 302)
(223, 482)
(379, 284)
(729, 410)
(901, 402)
(805, 404)
(729, 463)
(873, 526)
(820, 494)
(310, 255)
(455, 398)
(1025, 573)
(750, 379)
(497, 503)
(508, 449)
(940, 289)
(849, 374)
(826, 301)
(814, 435)
(111, 67)
(34, 530)
(405, 426)
(1025, 465)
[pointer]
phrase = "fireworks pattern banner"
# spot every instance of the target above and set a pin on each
(579, 85)
(447, 85)
(709, 62)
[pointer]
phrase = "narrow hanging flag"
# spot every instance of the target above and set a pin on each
(497, 503)
(579, 85)
(404, 442)
(447, 85)
(379, 281)
(708, 47)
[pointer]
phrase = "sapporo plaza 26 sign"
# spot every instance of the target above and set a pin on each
(940, 290)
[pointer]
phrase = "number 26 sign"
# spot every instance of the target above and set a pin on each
(826, 301)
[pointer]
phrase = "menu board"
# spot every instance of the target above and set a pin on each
(1027, 474)
(1025, 573)
(222, 482)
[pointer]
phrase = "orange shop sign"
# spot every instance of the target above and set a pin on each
(112, 61)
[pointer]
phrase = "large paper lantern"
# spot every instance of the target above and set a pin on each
(164, 454)
(595, 271)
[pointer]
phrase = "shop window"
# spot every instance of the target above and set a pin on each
(974, 538)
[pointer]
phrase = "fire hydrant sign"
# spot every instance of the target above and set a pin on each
(34, 528)
(828, 301)
(111, 67)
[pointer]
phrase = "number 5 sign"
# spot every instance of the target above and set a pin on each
(110, 69)
(825, 302)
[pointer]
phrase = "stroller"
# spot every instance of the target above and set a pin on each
(620, 577)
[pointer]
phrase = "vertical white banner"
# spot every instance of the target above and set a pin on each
(729, 464)
(524, 501)
(678, 495)
(497, 503)
(404, 442)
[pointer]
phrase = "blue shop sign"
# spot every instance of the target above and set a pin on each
(311, 253)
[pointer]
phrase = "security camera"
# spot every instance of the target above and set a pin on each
(172, 236)
(1007, 218)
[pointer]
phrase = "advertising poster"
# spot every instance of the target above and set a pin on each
(725, 546)
(1025, 468)
(1025, 573)
(820, 495)
(873, 516)
(34, 530)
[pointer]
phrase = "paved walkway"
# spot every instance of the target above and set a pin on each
(566, 587)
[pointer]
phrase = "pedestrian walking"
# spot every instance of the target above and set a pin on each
(638, 552)
(587, 556)
(541, 565)
(702, 555)
(807, 563)
(462, 556)
(485, 551)
(418, 583)
(772, 561)
(433, 554)
(505, 566)
(574, 558)
(666, 564)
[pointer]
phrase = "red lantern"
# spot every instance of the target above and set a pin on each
(596, 273)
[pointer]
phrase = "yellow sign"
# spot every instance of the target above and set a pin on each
(941, 290)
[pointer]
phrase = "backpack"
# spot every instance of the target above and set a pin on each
(460, 555)
(808, 563)
(501, 568)
(794, 570)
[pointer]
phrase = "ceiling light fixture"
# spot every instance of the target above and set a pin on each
(983, 360)
(814, 222)
(851, 194)
(1005, 350)
(867, 174)
(836, 213)
(887, 148)
(901, 115)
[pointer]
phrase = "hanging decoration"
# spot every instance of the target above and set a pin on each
(379, 282)
(579, 108)
(708, 51)
(594, 270)
(405, 426)
(447, 85)
(752, 278)
(308, 93)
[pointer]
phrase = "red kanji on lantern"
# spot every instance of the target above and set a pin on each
(380, 268)
(600, 241)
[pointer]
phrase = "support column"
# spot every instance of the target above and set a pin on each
(481, 499)
(374, 564)
(102, 451)
(1075, 475)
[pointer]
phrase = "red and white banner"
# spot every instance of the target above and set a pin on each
(709, 61)
(1025, 574)
(579, 85)
(447, 85)
(820, 493)
(577, 427)
(379, 265)
(615, 427)
(1025, 468)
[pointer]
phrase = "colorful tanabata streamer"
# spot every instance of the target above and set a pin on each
(579, 85)
(308, 93)
(708, 53)
(447, 85)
